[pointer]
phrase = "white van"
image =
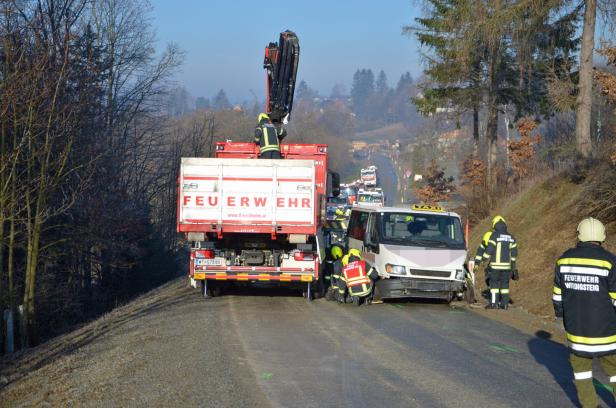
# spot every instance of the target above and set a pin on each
(418, 251)
(370, 198)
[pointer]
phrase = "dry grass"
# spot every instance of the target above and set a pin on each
(543, 218)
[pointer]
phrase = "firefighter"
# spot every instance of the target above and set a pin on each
(268, 137)
(342, 289)
(584, 295)
(501, 253)
(335, 266)
(341, 216)
(358, 280)
(481, 249)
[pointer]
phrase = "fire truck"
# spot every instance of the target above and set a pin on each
(257, 221)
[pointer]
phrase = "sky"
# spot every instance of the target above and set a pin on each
(225, 41)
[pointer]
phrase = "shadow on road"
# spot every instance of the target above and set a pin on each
(262, 291)
(555, 357)
(419, 301)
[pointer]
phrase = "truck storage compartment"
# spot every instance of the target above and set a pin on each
(247, 196)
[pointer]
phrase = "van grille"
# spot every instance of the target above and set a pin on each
(432, 274)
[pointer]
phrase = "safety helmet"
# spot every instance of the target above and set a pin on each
(263, 116)
(355, 252)
(486, 238)
(336, 252)
(591, 229)
(497, 219)
(345, 260)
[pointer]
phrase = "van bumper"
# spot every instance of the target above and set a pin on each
(419, 288)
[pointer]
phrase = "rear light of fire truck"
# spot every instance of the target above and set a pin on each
(207, 254)
(303, 256)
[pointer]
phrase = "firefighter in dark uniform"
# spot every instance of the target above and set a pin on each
(501, 254)
(584, 294)
(268, 137)
(335, 270)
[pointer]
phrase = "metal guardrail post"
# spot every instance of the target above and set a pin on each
(9, 344)
(22, 327)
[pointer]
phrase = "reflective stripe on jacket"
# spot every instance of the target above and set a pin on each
(356, 279)
(502, 248)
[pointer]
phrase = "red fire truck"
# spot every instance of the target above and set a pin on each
(255, 221)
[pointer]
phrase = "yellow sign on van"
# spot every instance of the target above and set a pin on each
(424, 207)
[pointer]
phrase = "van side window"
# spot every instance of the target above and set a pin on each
(374, 231)
(358, 224)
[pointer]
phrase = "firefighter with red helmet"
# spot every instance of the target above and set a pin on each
(358, 279)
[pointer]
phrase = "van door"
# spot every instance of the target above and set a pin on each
(357, 229)
(370, 247)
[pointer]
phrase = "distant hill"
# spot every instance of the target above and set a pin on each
(390, 132)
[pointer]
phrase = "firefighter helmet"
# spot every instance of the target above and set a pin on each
(355, 252)
(486, 238)
(263, 116)
(345, 260)
(496, 219)
(336, 252)
(591, 229)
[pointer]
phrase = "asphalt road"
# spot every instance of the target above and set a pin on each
(388, 178)
(394, 355)
(273, 348)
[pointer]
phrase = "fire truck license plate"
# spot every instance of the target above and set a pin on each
(208, 261)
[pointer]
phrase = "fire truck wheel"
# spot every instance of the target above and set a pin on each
(215, 289)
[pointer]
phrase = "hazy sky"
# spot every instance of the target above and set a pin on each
(225, 41)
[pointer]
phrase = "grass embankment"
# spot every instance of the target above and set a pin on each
(543, 218)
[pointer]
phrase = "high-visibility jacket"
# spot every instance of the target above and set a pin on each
(268, 137)
(356, 278)
(502, 249)
(584, 293)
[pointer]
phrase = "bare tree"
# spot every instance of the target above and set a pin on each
(584, 99)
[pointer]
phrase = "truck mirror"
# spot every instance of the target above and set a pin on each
(335, 184)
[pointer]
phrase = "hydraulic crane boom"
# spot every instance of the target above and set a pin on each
(281, 60)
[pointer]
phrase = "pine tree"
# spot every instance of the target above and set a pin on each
(362, 91)
(221, 102)
(490, 54)
(382, 88)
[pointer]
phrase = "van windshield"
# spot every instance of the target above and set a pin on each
(421, 230)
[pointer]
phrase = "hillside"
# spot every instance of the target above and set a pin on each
(544, 219)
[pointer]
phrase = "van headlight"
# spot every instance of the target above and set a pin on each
(399, 269)
(459, 274)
